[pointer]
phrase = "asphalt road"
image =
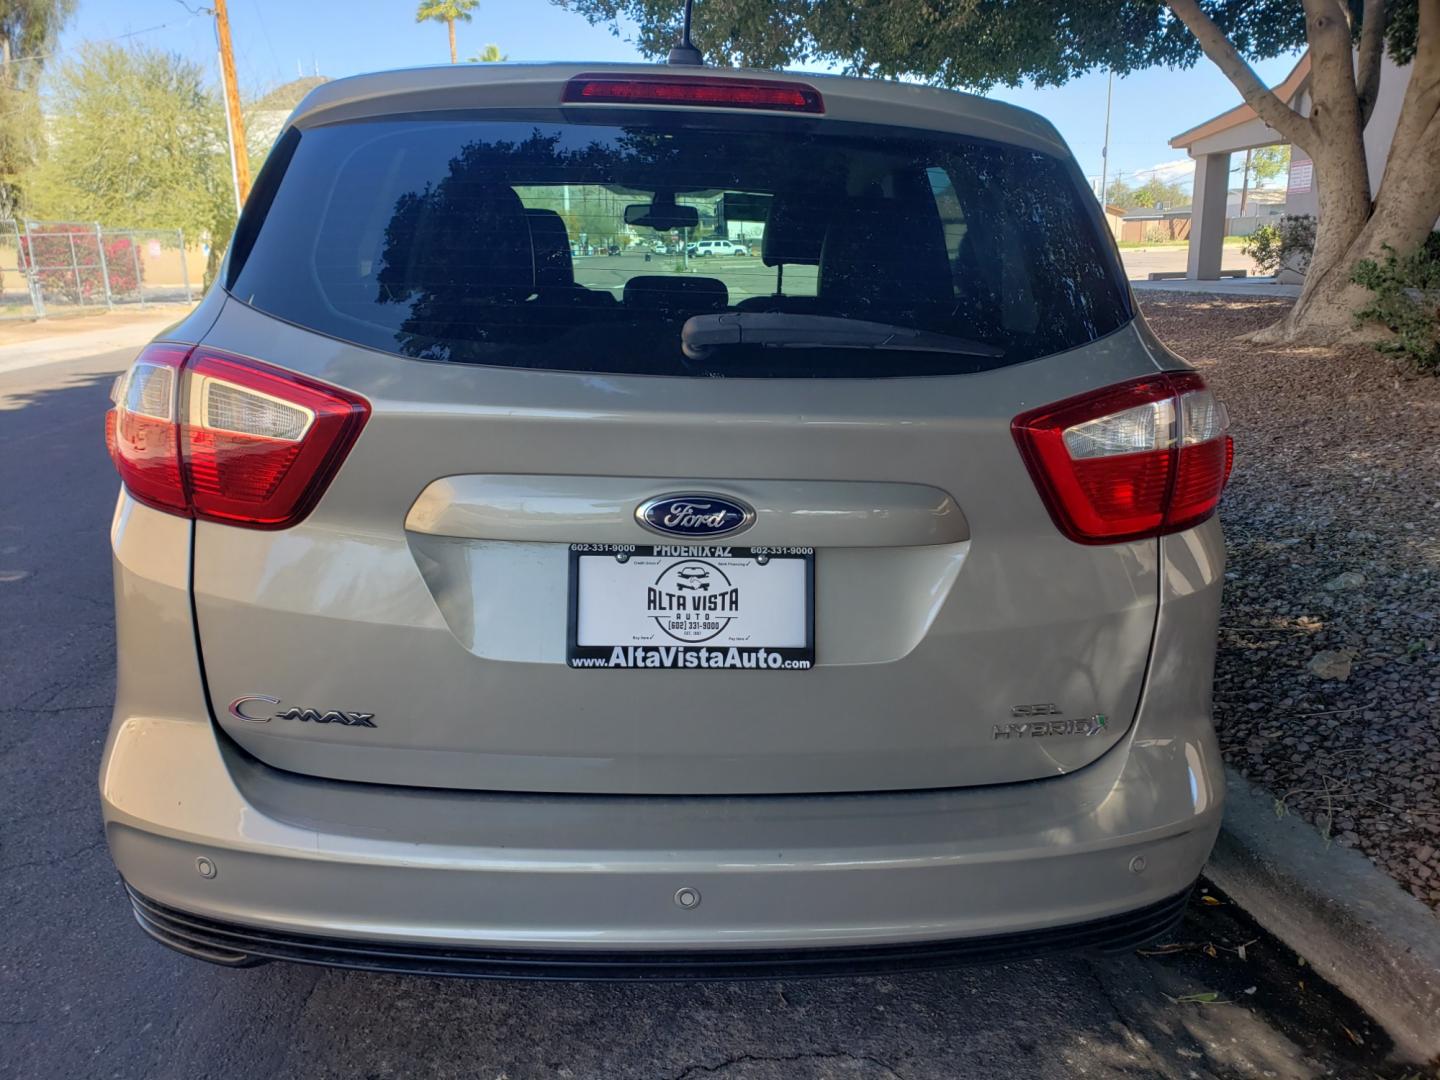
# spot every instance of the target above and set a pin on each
(83, 993)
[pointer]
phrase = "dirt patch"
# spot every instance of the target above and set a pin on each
(56, 327)
(1327, 682)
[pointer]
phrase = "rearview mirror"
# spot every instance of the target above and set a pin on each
(745, 206)
(662, 216)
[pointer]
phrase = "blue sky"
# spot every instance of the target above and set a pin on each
(275, 40)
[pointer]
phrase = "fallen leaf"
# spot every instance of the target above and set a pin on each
(1211, 951)
(1208, 899)
(1356, 1039)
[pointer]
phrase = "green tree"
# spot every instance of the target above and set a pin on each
(449, 12)
(28, 29)
(491, 54)
(978, 43)
(1261, 165)
(1405, 296)
(1153, 191)
(1120, 193)
(1268, 163)
(138, 141)
(1166, 193)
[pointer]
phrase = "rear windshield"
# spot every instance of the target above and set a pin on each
(541, 242)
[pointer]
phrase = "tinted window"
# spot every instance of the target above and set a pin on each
(586, 246)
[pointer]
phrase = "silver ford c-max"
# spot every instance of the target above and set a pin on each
(502, 590)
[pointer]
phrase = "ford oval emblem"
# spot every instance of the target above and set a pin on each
(694, 515)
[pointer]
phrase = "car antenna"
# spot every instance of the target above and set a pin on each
(684, 51)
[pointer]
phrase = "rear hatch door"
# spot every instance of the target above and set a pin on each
(529, 398)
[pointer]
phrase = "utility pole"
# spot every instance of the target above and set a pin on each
(1105, 150)
(234, 118)
(1245, 183)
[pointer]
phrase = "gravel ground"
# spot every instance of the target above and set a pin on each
(1327, 683)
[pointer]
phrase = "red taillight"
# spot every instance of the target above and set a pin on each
(145, 431)
(693, 90)
(221, 438)
(260, 444)
(1141, 459)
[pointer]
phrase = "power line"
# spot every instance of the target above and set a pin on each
(117, 37)
(265, 31)
(1174, 174)
(1177, 171)
(1105, 149)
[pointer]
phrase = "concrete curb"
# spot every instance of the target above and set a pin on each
(1339, 911)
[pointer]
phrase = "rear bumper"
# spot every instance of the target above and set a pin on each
(243, 849)
(260, 862)
(235, 945)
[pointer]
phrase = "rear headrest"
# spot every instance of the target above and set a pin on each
(794, 231)
(553, 265)
(471, 241)
(879, 254)
(677, 295)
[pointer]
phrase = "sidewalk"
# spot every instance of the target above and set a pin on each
(46, 341)
(1141, 262)
(1224, 287)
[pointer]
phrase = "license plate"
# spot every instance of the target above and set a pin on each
(691, 606)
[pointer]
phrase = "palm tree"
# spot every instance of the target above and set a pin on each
(449, 12)
(491, 54)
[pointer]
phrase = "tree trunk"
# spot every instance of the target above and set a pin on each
(1350, 226)
(450, 25)
(1322, 313)
(212, 264)
(1401, 217)
(1404, 215)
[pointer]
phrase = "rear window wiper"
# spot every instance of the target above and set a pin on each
(702, 334)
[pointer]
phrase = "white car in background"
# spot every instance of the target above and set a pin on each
(720, 247)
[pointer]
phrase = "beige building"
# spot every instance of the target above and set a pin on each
(1114, 219)
(265, 118)
(1240, 129)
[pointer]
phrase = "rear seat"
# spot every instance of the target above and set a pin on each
(879, 258)
(883, 259)
(794, 233)
(554, 269)
(677, 296)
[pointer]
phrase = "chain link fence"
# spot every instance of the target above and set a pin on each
(54, 267)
